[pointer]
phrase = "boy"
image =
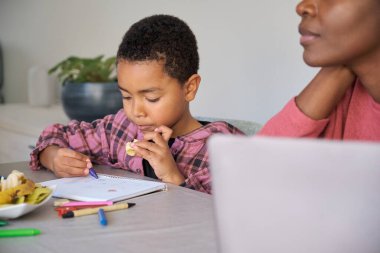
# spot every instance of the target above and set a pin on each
(157, 64)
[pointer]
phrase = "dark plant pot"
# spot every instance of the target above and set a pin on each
(90, 101)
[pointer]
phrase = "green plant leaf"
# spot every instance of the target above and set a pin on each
(78, 70)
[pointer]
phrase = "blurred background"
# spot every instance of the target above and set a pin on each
(250, 58)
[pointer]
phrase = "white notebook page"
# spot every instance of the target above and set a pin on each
(106, 188)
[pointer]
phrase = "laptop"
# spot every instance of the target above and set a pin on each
(295, 195)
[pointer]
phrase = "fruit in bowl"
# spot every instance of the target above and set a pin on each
(17, 189)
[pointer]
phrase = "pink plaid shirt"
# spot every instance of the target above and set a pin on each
(104, 142)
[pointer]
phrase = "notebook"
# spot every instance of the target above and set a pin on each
(295, 195)
(106, 188)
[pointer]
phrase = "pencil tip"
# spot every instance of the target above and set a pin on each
(93, 173)
(131, 204)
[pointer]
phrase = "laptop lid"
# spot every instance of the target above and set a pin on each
(295, 195)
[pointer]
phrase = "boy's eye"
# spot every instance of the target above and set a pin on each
(127, 98)
(152, 100)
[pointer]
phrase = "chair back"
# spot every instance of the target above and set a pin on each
(247, 127)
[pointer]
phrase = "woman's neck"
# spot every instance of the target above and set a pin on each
(368, 72)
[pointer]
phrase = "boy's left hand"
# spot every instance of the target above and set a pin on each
(154, 148)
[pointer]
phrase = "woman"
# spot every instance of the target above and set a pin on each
(343, 100)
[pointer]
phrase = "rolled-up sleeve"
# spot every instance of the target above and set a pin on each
(292, 122)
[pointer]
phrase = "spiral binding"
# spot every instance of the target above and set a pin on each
(133, 179)
(118, 177)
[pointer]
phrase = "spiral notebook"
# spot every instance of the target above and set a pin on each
(106, 188)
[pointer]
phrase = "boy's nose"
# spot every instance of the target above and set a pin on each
(138, 109)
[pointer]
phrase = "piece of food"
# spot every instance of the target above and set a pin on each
(14, 179)
(38, 195)
(129, 150)
(17, 189)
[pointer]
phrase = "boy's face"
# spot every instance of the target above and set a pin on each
(339, 32)
(151, 98)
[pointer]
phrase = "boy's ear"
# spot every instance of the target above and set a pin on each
(191, 87)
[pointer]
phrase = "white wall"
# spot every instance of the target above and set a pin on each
(251, 61)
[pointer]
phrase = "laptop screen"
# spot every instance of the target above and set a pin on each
(295, 195)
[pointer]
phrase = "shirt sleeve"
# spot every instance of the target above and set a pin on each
(100, 139)
(292, 122)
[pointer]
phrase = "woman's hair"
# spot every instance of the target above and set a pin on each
(162, 38)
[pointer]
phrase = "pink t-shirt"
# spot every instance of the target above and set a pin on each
(356, 117)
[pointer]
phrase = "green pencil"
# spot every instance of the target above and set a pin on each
(19, 232)
(3, 223)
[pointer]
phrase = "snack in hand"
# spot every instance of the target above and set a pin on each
(129, 150)
(17, 189)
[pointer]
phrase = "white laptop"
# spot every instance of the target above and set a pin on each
(295, 195)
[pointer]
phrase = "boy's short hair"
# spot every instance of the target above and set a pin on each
(163, 38)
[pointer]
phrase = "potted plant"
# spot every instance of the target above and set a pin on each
(90, 89)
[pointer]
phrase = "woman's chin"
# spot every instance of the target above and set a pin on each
(314, 61)
(318, 60)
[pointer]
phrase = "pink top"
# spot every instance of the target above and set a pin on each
(356, 117)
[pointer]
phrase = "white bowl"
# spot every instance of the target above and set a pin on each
(17, 210)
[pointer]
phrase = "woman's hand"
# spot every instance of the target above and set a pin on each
(325, 91)
(65, 162)
(154, 148)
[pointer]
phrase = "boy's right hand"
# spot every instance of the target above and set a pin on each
(65, 162)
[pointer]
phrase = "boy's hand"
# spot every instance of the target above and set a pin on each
(65, 162)
(154, 148)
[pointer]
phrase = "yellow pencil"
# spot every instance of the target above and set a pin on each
(88, 211)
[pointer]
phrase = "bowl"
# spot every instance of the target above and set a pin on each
(13, 211)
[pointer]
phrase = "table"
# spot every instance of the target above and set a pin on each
(177, 220)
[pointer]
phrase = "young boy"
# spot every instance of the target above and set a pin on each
(157, 64)
(343, 100)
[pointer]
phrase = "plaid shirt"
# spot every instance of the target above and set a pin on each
(104, 142)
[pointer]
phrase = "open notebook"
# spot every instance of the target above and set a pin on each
(106, 188)
(295, 195)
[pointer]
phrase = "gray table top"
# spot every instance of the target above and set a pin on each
(177, 220)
